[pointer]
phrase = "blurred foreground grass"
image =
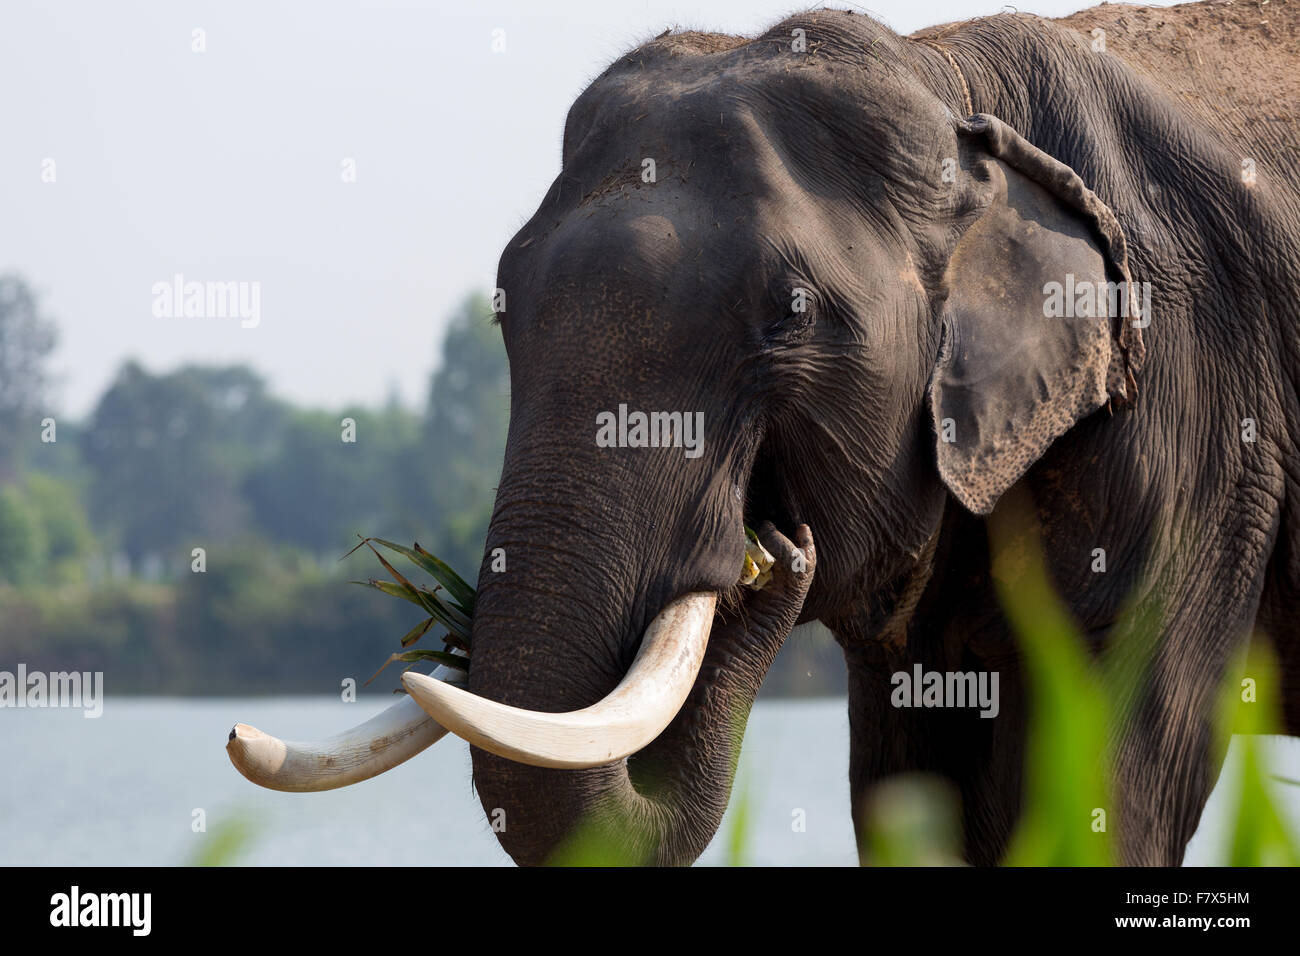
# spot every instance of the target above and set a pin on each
(1078, 707)
(226, 842)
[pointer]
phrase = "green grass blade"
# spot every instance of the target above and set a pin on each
(417, 632)
(457, 586)
(439, 571)
(1067, 795)
(442, 657)
(407, 593)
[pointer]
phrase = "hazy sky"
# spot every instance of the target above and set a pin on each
(228, 165)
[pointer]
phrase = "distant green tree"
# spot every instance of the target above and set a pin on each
(319, 491)
(21, 547)
(459, 462)
(56, 507)
(168, 453)
(26, 340)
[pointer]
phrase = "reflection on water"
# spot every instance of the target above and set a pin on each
(124, 789)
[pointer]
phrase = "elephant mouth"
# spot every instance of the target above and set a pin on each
(625, 721)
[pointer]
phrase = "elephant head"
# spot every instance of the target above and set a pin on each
(841, 280)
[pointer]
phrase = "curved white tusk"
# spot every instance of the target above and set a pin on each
(381, 743)
(626, 720)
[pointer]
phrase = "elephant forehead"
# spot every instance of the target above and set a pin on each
(656, 232)
(638, 250)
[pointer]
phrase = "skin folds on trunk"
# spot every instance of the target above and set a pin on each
(664, 804)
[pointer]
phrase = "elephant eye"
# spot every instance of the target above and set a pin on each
(794, 303)
(793, 328)
(799, 304)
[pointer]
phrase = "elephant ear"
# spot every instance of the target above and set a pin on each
(1013, 374)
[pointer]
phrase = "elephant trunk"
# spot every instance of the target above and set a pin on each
(660, 806)
(556, 628)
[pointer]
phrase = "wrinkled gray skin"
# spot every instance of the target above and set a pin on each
(825, 170)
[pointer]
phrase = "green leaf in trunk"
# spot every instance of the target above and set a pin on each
(441, 572)
(417, 632)
(454, 614)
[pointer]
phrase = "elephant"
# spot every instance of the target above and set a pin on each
(909, 282)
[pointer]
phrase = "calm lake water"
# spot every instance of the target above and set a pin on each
(123, 789)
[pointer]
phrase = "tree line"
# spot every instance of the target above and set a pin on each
(186, 535)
